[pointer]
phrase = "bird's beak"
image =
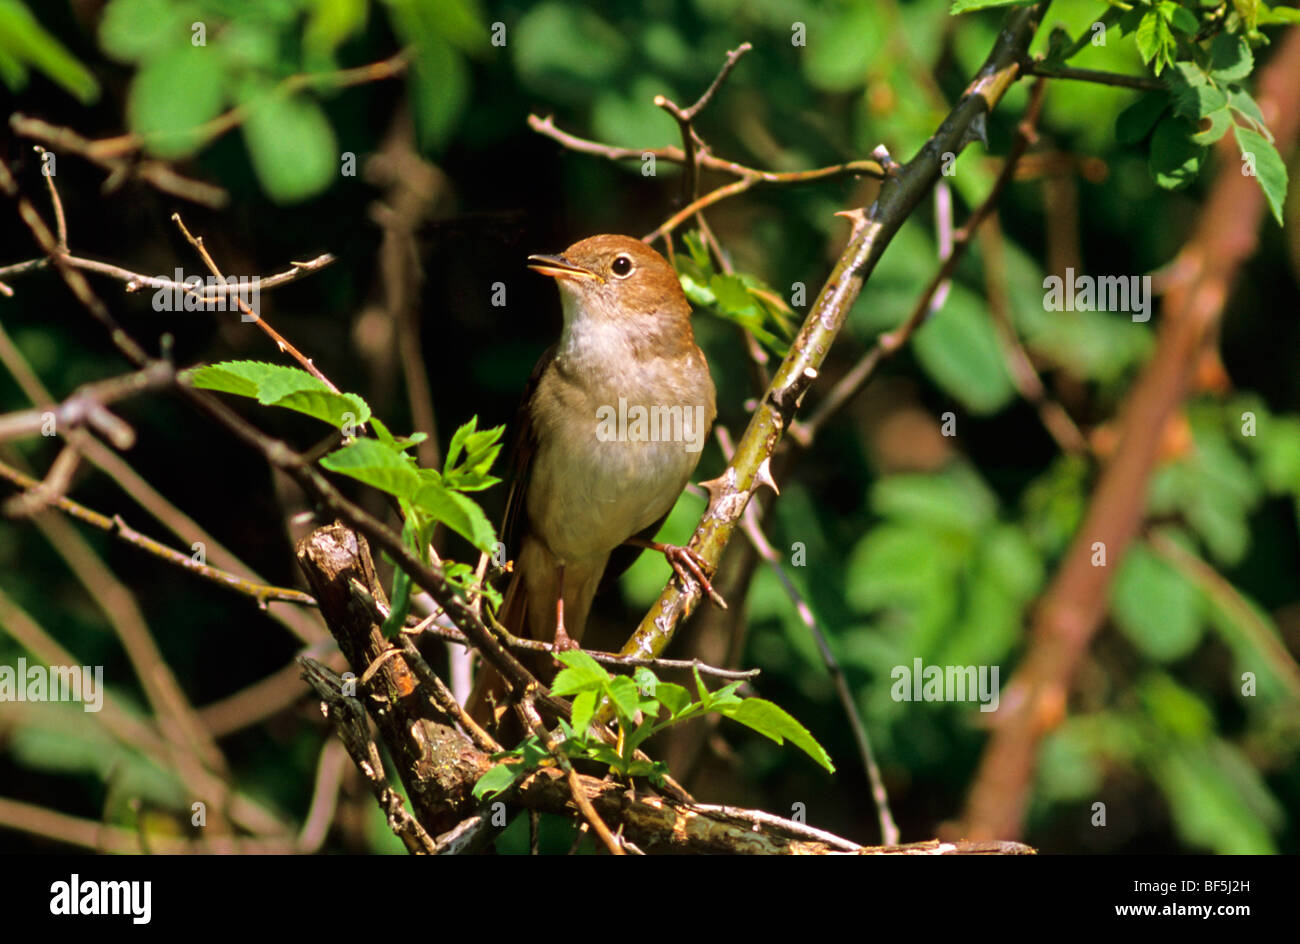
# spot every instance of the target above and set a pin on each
(558, 267)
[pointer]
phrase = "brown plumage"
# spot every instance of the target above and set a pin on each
(578, 490)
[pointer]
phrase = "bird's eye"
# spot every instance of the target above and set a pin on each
(621, 266)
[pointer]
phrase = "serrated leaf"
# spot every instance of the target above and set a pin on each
(1180, 18)
(673, 697)
(1194, 94)
(581, 673)
(286, 387)
(584, 709)
(775, 722)
(1260, 157)
(1239, 100)
(1230, 58)
(1155, 41)
(377, 465)
(458, 512)
(623, 693)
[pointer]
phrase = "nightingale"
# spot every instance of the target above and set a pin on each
(609, 431)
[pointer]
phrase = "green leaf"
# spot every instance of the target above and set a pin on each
(1278, 15)
(1155, 41)
(1175, 158)
(1261, 160)
(497, 779)
(673, 697)
(133, 30)
(24, 42)
(480, 448)
(291, 145)
(625, 697)
(1180, 18)
(1194, 95)
(1213, 126)
(1155, 606)
(286, 387)
(458, 512)
(581, 673)
(776, 723)
(1230, 58)
(173, 95)
(329, 23)
(584, 709)
(965, 6)
(1239, 100)
(959, 349)
(1137, 120)
(379, 466)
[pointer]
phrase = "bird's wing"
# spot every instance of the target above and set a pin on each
(523, 448)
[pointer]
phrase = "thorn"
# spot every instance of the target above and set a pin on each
(764, 476)
(854, 216)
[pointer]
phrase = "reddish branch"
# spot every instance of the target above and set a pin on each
(1074, 604)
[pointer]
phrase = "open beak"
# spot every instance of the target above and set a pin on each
(558, 267)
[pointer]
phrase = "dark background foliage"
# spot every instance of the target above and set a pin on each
(917, 545)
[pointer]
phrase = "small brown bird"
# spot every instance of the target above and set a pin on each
(610, 429)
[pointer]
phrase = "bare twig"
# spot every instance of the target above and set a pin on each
(262, 593)
(750, 523)
(891, 341)
(1051, 71)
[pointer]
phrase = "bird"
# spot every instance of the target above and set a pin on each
(609, 431)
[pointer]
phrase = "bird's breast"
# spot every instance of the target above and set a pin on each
(614, 452)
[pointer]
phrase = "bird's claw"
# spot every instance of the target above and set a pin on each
(688, 565)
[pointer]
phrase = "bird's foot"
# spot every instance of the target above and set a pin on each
(688, 566)
(563, 641)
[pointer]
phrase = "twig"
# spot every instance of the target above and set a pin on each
(249, 314)
(1051, 71)
(887, 343)
(157, 173)
(444, 699)
(301, 623)
(753, 529)
(354, 731)
(433, 627)
(262, 593)
(684, 117)
(534, 722)
(87, 405)
(127, 728)
(391, 67)
(1053, 415)
(330, 767)
(1228, 598)
(1075, 601)
(872, 231)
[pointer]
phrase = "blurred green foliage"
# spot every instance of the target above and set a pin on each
(938, 555)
